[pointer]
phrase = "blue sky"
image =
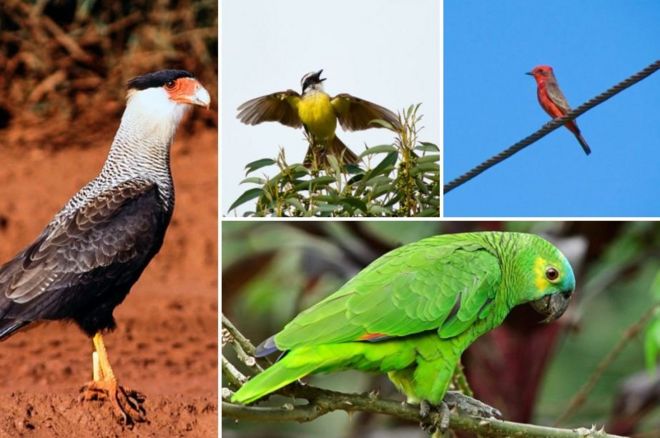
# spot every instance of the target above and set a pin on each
(489, 104)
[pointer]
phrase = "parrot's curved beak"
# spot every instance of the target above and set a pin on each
(552, 306)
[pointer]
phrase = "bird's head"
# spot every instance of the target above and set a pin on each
(541, 72)
(312, 81)
(548, 279)
(165, 95)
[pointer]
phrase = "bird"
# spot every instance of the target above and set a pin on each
(88, 257)
(318, 113)
(552, 100)
(412, 312)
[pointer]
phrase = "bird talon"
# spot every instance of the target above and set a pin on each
(470, 406)
(127, 404)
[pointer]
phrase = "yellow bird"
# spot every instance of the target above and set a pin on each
(318, 113)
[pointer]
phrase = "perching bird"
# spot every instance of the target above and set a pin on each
(552, 100)
(318, 113)
(412, 312)
(89, 256)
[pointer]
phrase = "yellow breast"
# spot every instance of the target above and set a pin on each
(317, 113)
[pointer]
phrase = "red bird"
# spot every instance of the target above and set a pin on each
(553, 101)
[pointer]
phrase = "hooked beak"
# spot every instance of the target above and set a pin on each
(191, 92)
(552, 306)
(200, 97)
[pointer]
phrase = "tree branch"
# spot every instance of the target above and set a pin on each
(321, 402)
(329, 401)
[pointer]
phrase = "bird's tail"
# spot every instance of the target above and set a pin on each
(311, 359)
(583, 143)
(293, 366)
(319, 153)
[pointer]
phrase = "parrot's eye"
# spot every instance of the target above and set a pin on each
(551, 274)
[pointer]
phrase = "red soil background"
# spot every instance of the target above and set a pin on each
(166, 341)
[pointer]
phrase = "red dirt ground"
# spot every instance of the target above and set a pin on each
(166, 341)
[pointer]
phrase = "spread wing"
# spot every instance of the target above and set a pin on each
(356, 114)
(121, 227)
(277, 107)
(557, 96)
(420, 287)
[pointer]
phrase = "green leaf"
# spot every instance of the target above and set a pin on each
(327, 208)
(353, 169)
(430, 212)
(388, 161)
(381, 190)
(428, 159)
(295, 203)
(424, 167)
(253, 180)
(334, 164)
(245, 197)
(355, 203)
(356, 178)
(377, 210)
(427, 147)
(652, 343)
(378, 150)
(251, 167)
(330, 199)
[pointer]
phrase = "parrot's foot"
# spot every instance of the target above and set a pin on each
(127, 403)
(430, 426)
(453, 401)
(470, 406)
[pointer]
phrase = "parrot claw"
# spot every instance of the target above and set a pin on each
(431, 425)
(470, 406)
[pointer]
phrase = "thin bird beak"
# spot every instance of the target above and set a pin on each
(529, 73)
(318, 75)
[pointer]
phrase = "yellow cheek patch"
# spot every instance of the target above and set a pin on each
(540, 281)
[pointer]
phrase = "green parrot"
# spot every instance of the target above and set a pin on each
(412, 312)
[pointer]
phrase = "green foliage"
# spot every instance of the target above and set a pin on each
(652, 336)
(401, 179)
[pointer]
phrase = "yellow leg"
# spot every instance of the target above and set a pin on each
(128, 404)
(105, 370)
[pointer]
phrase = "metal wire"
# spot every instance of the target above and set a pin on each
(551, 126)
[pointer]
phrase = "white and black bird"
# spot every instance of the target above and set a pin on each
(87, 258)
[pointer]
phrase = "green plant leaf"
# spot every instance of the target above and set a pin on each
(427, 147)
(253, 180)
(251, 167)
(378, 150)
(354, 203)
(246, 196)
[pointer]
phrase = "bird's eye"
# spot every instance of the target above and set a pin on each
(170, 84)
(551, 274)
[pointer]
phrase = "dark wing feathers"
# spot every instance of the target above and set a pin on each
(276, 107)
(355, 114)
(121, 225)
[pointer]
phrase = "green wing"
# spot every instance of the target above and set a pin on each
(443, 282)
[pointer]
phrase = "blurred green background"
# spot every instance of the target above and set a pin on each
(272, 271)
